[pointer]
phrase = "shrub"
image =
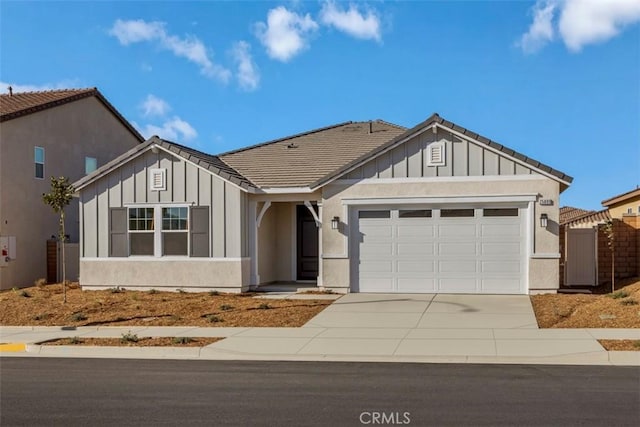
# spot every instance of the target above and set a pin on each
(636, 343)
(41, 282)
(153, 291)
(129, 337)
(181, 291)
(78, 317)
(226, 307)
(214, 293)
(182, 340)
(618, 294)
(264, 306)
(75, 340)
(116, 290)
(42, 316)
(25, 294)
(629, 302)
(214, 319)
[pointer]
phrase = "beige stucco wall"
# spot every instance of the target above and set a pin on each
(228, 275)
(68, 133)
(276, 251)
(543, 270)
(618, 210)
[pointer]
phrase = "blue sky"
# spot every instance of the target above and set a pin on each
(557, 80)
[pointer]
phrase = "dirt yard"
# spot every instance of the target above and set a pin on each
(43, 306)
(138, 342)
(620, 309)
(620, 345)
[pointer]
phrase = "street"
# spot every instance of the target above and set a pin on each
(47, 391)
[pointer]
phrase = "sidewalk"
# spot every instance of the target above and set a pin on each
(310, 343)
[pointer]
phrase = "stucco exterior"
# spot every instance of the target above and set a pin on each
(68, 133)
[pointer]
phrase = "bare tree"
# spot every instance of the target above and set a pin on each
(608, 231)
(59, 198)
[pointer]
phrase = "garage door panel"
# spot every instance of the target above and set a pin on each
(416, 249)
(457, 285)
(500, 286)
(376, 250)
(379, 266)
(503, 267)
(457, 230)
(498, 230)
(500, 248)
(415, 267)
(458, 266)
(457, 249)
(416, 284)
(415, 232)
(372, 231)
(376, 284)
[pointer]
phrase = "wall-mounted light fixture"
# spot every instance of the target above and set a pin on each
(544, 219)
(335, 222)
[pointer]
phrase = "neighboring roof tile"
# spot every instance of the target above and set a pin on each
(593, 217)
(303, 159)
(206, 161)
(24, 103)
(569, 213)
(621, 197)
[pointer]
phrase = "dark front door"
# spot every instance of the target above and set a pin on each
(307, 257)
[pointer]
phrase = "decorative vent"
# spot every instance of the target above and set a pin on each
(435, 154)
(157, 179)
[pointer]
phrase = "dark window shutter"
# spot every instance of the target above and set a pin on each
(118, 232)
(199, 229)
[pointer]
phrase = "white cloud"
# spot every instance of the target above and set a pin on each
(65, 84)
(541, 30)
(190, 47)
(585, 22)
(360, 25)
(174, 129)
(154, 106)
(580, 22)
(285, 33)
(248, 74)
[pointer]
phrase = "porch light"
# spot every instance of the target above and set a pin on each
(335, 222)
(543, 220)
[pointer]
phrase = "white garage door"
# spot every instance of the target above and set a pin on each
(460, 250)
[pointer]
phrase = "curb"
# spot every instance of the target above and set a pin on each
(14, 347)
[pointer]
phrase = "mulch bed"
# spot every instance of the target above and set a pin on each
(43, 306)
(142, 342)
(620, 345)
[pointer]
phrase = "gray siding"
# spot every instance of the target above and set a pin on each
(463, 158)
(185, 183)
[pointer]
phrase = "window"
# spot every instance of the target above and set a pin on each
(500, 212)
(422, 213)
(90, 164)
(38, 157)
(436, 154)
(374, 214)
(175, 231)
(456, 213)
(629, 210)
(141, 231)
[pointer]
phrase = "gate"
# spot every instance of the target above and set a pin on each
(581, 257)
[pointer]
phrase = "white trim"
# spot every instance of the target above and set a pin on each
(320, 228)
(502, 153)
(265, 206)
(545, 256)
(44, 159)
(285, 190)
(433, 179)
(254, 278)
(443, 154)
(165, 258)
(294, 241)
(154, 173)
(334, 256)
(442, 200)
(313, 213)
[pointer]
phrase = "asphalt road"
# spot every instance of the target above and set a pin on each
(95, 392)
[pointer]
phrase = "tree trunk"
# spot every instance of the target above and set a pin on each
(64, 270)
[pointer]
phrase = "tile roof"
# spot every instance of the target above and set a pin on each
(436, 119)
(206, 161)
(21, 104)
(569, 213)
(621, 197)
(303, 159)
(593, 217)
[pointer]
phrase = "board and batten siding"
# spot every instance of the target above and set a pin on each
(185, 183)
(463, 158)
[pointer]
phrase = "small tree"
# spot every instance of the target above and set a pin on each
(608, 231)
(59, 197)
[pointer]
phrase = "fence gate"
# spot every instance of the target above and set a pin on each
(581, 257)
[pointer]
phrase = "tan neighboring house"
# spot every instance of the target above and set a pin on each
(354, 207)
(624, 204)
(42, 134)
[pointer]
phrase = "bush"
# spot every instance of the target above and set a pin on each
(636, 344)
(153, 291)
(214, 319)
(129, 337)
(618, 295)
(264, 306)
(629, 302)
(40, 282)
(25, 294)
(116, 290)
(214, 293)
(75, 340)
(181, 291)
(78, 317)
(42, 316)
(226, 307)
(182, 340)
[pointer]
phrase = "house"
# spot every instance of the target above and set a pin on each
(353, 207)
(584, 244)
(52, 133)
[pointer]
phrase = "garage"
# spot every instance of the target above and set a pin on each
(476, 250)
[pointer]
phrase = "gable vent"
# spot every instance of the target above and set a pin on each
(157, 179)
(436, 154)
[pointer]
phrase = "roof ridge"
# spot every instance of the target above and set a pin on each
(273, 141)
(84, 89)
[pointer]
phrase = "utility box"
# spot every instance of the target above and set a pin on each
(7, 250)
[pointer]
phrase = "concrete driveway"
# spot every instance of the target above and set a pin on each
(428, 311)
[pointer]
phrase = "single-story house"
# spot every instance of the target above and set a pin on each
(355, 207)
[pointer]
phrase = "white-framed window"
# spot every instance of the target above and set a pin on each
(90, 164)
(436, 154)
(38, 158)
(157, 179)
(171, 238)
(629, 210)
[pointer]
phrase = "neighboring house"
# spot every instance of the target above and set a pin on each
(624, 204)
(42, 134)
(355, 207)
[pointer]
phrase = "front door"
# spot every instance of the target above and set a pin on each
(307, 252)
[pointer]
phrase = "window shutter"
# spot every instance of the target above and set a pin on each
(199, 229)
(118, 246)
(157, 179)
(435, 154)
